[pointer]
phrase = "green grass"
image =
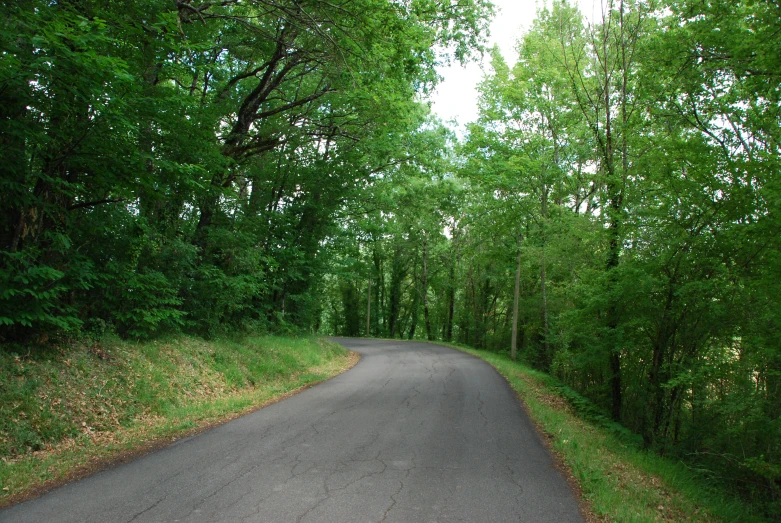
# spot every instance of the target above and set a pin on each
(66, 410)
(619, 480)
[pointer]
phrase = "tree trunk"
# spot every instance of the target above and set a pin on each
(13, 169)
(545, 360)
(451, 306)
(424, 292)
(379, 295)
(413, 317)
(368, 307)
(516, 300)
(485, 309)
(397, 275)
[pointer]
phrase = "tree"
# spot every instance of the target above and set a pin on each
(177, 164)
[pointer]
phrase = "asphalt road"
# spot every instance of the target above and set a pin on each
(414, 433)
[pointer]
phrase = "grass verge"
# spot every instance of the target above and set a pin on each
(66, 412)
(617, 479)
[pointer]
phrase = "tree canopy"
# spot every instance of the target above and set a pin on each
(611, 217)
(174, 165)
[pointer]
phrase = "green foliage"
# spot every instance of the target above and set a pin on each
(166, 171)
(269, 165)
(625, 170)
(148, 306)
(620, 480)
(30, 294)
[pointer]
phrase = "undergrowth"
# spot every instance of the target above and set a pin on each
(63, 408)
(620, 481)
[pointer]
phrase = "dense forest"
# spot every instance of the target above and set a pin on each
(611, 218)
(179, 165)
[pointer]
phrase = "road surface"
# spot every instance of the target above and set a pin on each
(414, 433)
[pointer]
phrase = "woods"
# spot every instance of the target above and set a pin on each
(621, 187)
(611, 218)
(178, 165)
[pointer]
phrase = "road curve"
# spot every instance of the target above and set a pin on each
(414, 433)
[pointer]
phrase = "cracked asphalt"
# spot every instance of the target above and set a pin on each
(414, 433)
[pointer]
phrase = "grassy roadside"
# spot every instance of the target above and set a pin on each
(66, 412)
(618, 480)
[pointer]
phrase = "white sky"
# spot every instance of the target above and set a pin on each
(456, 96)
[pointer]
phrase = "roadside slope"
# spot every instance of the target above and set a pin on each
(66, 412)
(618, 480)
